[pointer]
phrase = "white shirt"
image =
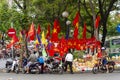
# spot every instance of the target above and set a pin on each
(69, 57)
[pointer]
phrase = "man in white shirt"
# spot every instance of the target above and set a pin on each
(68, 61)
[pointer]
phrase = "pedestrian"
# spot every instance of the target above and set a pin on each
(69, 61)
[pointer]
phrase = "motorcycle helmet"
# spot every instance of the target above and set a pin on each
(103, 48)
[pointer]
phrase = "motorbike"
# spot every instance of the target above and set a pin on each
(53, 67)
(8, 67)
(102, 68)
(34, 68)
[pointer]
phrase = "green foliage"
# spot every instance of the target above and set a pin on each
(78, 54)
(114, 20)
(45, 11)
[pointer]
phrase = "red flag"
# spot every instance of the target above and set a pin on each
(57, 25)
(75, 34)
(31, 32)
(76, 20)
(38, 29)
(76, 24)
(97, 21)
(84, 32)
(13, 41)
(48, 32)
(63, 47)
(56, 30)
(26, 34)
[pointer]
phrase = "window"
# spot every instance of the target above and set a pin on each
(116, 41)
(107, 44)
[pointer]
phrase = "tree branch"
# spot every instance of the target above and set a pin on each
(101, 9)
(109, 8)
(86, 9)
(18, 4)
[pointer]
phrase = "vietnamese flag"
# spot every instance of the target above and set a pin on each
(38, 29)
(75, 34)
(48, 32)
(84, 31)
(76, 20)
(57, 25)
(63, 47)
(56, 30)
(97, 21)
(76, 24)
(31, 32)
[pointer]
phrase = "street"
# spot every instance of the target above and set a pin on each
(65, 76)
(77, 76)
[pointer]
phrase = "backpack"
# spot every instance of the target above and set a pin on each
(40, 60)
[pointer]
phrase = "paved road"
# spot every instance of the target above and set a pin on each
(2, 63)
(66, 76)
(77, 76)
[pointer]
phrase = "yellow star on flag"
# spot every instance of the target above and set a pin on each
(77, 24)
(54, 31)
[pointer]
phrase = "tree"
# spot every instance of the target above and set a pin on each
(103, 9)
(104, 12)
(45, 11)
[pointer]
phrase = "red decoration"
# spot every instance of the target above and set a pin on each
(84, 31)
(76, 19)
(76, 24)
(48, 32)
(13, 41)
(97, 21)
(56, 30)
(31, 32)
(38, 29)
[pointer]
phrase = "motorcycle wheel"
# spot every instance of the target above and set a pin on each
(37, 70)
(23, 71)
(111, 68)
(50, 71)
(95, 69)
(60, 70)
(8, 69)
(16, 69)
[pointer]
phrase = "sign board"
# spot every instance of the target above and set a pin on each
(118, 27)
(11, 32)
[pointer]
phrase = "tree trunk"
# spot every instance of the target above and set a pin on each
(95, 30)
(104, 34)
(104, 17)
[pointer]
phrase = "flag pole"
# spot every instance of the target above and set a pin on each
(12, 49)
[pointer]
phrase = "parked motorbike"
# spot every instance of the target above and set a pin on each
(102, 68)
(8, 66)
(53, 67)
(34, 68)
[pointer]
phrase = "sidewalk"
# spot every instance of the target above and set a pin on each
(2, 64)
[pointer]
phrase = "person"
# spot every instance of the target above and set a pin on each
(99, 56)
(56, 58)
(15, 61)
(32, 58)
(24, 60)
(41, 61)
(68, 61)
(104, 59)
